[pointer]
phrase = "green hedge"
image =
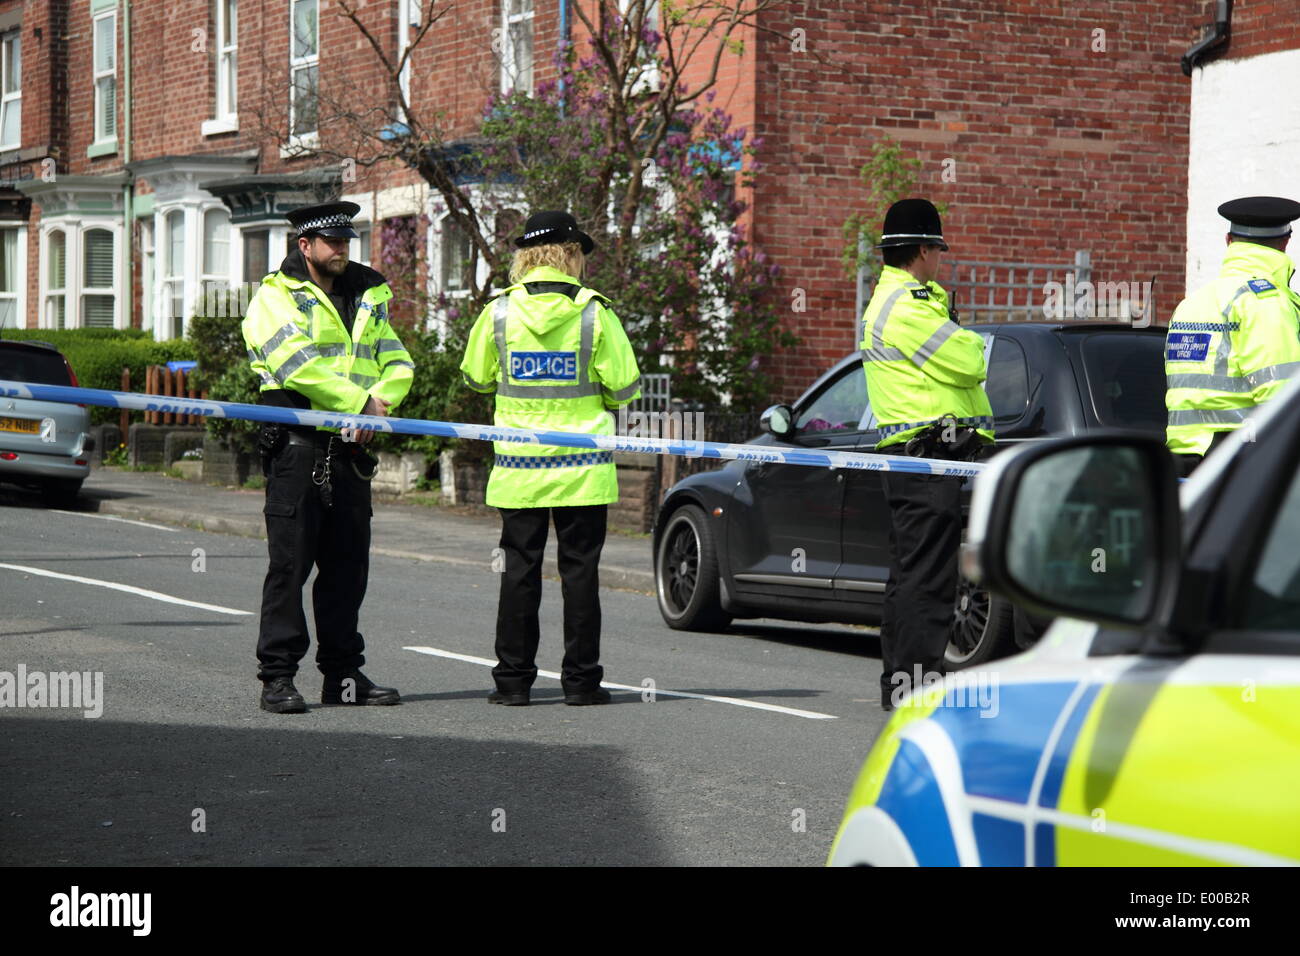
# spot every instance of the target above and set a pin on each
(97, 356)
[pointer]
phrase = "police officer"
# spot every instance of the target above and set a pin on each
(1233, 343)
(557, 358)
(318, 335)
(924, 375)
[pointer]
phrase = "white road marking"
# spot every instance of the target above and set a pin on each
(734, 701)
(129, 589)
(142, 524)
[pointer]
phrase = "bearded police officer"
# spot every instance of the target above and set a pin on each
(1232, 344)
(924, 376)
(557, 358)
(318, 335)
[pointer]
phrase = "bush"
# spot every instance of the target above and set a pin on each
(224, 372)
(97, 357)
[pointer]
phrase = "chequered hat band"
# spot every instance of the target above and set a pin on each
(325, 222)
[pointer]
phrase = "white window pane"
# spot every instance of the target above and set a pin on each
(8, 260)
(57, 261)
(54, 312)
(521, 48)
(11, 123)
(8, 313)
(13, 75)
(257, 248)
(105, 44)
(518, 7)
(98, 259)
(304, 28)
(229, 28)
(97, 311)
(176, 243)
(107, 120)
(228, 85)
(216, 242)
(304, 100)
(363, 246)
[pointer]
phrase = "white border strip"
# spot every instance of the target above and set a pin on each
(113, 585)
(734, 701)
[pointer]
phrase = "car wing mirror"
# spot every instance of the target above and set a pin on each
(778, 420)
(1086, 527)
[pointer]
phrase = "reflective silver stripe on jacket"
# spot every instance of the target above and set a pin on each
(555, 461)
(365, 381)
(332, 349)
(935, 342)
(623, 394)
(878, 323)
(478, 386)
(399, 363)
(388, 345)
(281, 335)
(883, 355)
(1209, 416)
(584, 388)
(294, 362)
(364, 351)
(1233, 383)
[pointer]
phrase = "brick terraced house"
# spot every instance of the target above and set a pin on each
(148, 148)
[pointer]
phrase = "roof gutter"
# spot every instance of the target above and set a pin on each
(1217, 36)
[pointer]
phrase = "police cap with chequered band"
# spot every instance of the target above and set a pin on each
(1260, 217)
(332, 219)
(551, 227)
(912, 222)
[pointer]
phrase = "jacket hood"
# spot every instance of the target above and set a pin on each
(1252, 259)
(356, 277)
(553, 299)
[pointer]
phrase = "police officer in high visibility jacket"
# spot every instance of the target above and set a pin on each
(318, 335)
(557, 358)
(924, 379)
(1233, 344)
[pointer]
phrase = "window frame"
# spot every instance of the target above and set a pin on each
(225, 99)
(509, 69)
(84, 289)
(11, 99)
(306, 139)
(97, 76)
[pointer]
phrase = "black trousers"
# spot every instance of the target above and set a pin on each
(580, 534)
(301, 533)
(924, 539)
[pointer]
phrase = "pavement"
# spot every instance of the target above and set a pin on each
(423, 532)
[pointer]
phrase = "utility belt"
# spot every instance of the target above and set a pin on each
(329, 448)
(945, 440)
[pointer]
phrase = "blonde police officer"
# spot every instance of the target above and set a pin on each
(318, 336)
(924, 378)
(558, 359)
(1233, 343)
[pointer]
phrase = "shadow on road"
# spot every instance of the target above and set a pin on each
(851, 642)
(95, 792)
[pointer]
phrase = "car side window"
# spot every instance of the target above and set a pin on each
(1007, 385)
(1273, 600)
(840, 407)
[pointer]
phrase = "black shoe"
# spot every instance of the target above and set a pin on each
(585, 698)
(279, 696)
(362, 691)
(511, 698)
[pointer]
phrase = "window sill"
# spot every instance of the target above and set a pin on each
(215, 127)
(297, 146)
(106, 148)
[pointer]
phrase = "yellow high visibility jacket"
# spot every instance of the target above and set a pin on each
(557, 358)
(297, 343)
(1231, 345)
(920, 364)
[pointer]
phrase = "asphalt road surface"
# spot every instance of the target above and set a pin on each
(183, 768)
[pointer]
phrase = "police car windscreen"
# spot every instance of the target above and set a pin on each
(19, 363)
(1126, 378)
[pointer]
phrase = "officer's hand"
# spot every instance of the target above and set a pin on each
(376, 406)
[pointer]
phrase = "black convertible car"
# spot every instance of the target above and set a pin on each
(812, 544)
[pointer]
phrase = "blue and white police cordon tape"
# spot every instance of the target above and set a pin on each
(527, 436)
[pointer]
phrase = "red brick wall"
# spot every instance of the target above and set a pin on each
(1056, 147)
(1258, 26)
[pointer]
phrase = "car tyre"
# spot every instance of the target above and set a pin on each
(983, 628)
(60, 492)
(686, 573)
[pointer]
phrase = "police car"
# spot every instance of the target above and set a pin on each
(1158, 721)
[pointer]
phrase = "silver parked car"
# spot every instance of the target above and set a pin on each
(42, 444)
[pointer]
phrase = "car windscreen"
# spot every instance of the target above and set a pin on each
(1125, 374)
(38, 366)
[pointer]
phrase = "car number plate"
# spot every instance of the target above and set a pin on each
(28, 426)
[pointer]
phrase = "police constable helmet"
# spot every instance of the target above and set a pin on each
(333, 219)
(1260, 217)
(551, 227)
(912, 222)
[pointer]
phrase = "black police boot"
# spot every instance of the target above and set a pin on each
(510, 698)
(362, 690)
(279, 696)
(586, 698)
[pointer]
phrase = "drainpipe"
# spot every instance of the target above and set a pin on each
(564, 45)
(1217, 36)
(128, 190)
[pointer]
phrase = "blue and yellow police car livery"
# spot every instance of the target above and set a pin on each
(1070, 760)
